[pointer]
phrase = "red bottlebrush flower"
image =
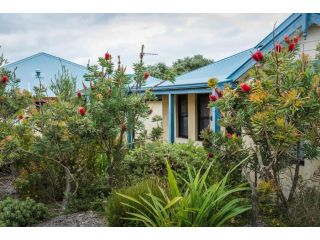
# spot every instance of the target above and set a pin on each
(79, 94)
(245, 87)
(219, 93)
(213, 98)
(286, 39)
(291, 46)
(296, 39)
(229, 135)
(278, 47)
(21, 117)
(146, 75)
(107, 56)
(210, 155)
(4, 79)
(82, 111)
(258, 56)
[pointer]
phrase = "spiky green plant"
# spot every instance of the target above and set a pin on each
(199, 205)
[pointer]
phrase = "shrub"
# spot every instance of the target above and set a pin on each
(199, 205)
(115, 211)
(305, 209)
(149, 160)
(17, 213)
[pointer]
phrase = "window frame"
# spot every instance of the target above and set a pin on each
(182, 116)
(200, 98)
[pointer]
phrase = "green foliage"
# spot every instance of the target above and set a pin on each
(305, 209)
(18, 213)
(156, 132)
(116, 211)
(149, 160)
(180, 66)
(199, 204)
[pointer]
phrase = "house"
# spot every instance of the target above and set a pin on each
(44, 67)
(184, 103)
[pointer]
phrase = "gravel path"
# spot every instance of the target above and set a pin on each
(82, 219)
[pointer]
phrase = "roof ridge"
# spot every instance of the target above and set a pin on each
(215, 62)
(45, 54)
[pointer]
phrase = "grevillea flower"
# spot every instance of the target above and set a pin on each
(107, 56)
(291, 46)
(286, 39)
(21, 117)
(296, 39)
(278, 47)
(258, 56)
(79, 94)
(146, 75)
(245, 87)
(212, 82)
(213, 98)
(82, 111)
(4, 79)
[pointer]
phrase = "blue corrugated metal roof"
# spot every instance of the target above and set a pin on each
(49, 66)
(220, 69)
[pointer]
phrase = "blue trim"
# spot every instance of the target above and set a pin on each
(171, 118)
(129, 138)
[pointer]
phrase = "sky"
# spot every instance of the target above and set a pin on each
(80, 37)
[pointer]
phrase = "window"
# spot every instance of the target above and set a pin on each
(203, 112)
(183, 116)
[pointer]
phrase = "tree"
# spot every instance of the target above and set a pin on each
(180, 66)
(115, 107)
(188, 64)
(277, 113)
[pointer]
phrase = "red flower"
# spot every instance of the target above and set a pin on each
(82, 111)
(21, 117)
(258, 56)
(287, 39)
(278, 47)
(107, 56)
(245, 87)
(210, 155)
(291, 46)
(296, 39)
(229, 135)
(146, 75)
(79, 94)
(213, 98)
(4, 79)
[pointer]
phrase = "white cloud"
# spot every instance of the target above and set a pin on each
(79, 37)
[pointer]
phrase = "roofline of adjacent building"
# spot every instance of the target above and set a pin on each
(45, 54)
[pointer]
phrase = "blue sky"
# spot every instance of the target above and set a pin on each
(79, 37)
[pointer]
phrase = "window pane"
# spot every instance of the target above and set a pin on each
(203, 112)
(183, 116)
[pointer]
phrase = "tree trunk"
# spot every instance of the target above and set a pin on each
(279, 191)
(67, 189)
(296, 172)
(255, 201)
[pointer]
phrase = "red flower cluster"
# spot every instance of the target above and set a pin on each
(82, 111)
(291, 46)
(213, 98)
(79, 94)
(146, 75)
(287, 39)
(245, 87)
(210, 155)
(278, 47)
(229, 135)
(4, 79)
(107, 56)
(291, 42)
(258, 56)
(21, 117)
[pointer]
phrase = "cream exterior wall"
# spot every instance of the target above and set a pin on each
(156, 107)
(309, 44)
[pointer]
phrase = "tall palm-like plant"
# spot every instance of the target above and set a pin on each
(200, 204)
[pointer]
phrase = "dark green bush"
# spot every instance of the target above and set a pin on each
(18, 213)
(149, 160)
(115, 211)
(305, 210)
